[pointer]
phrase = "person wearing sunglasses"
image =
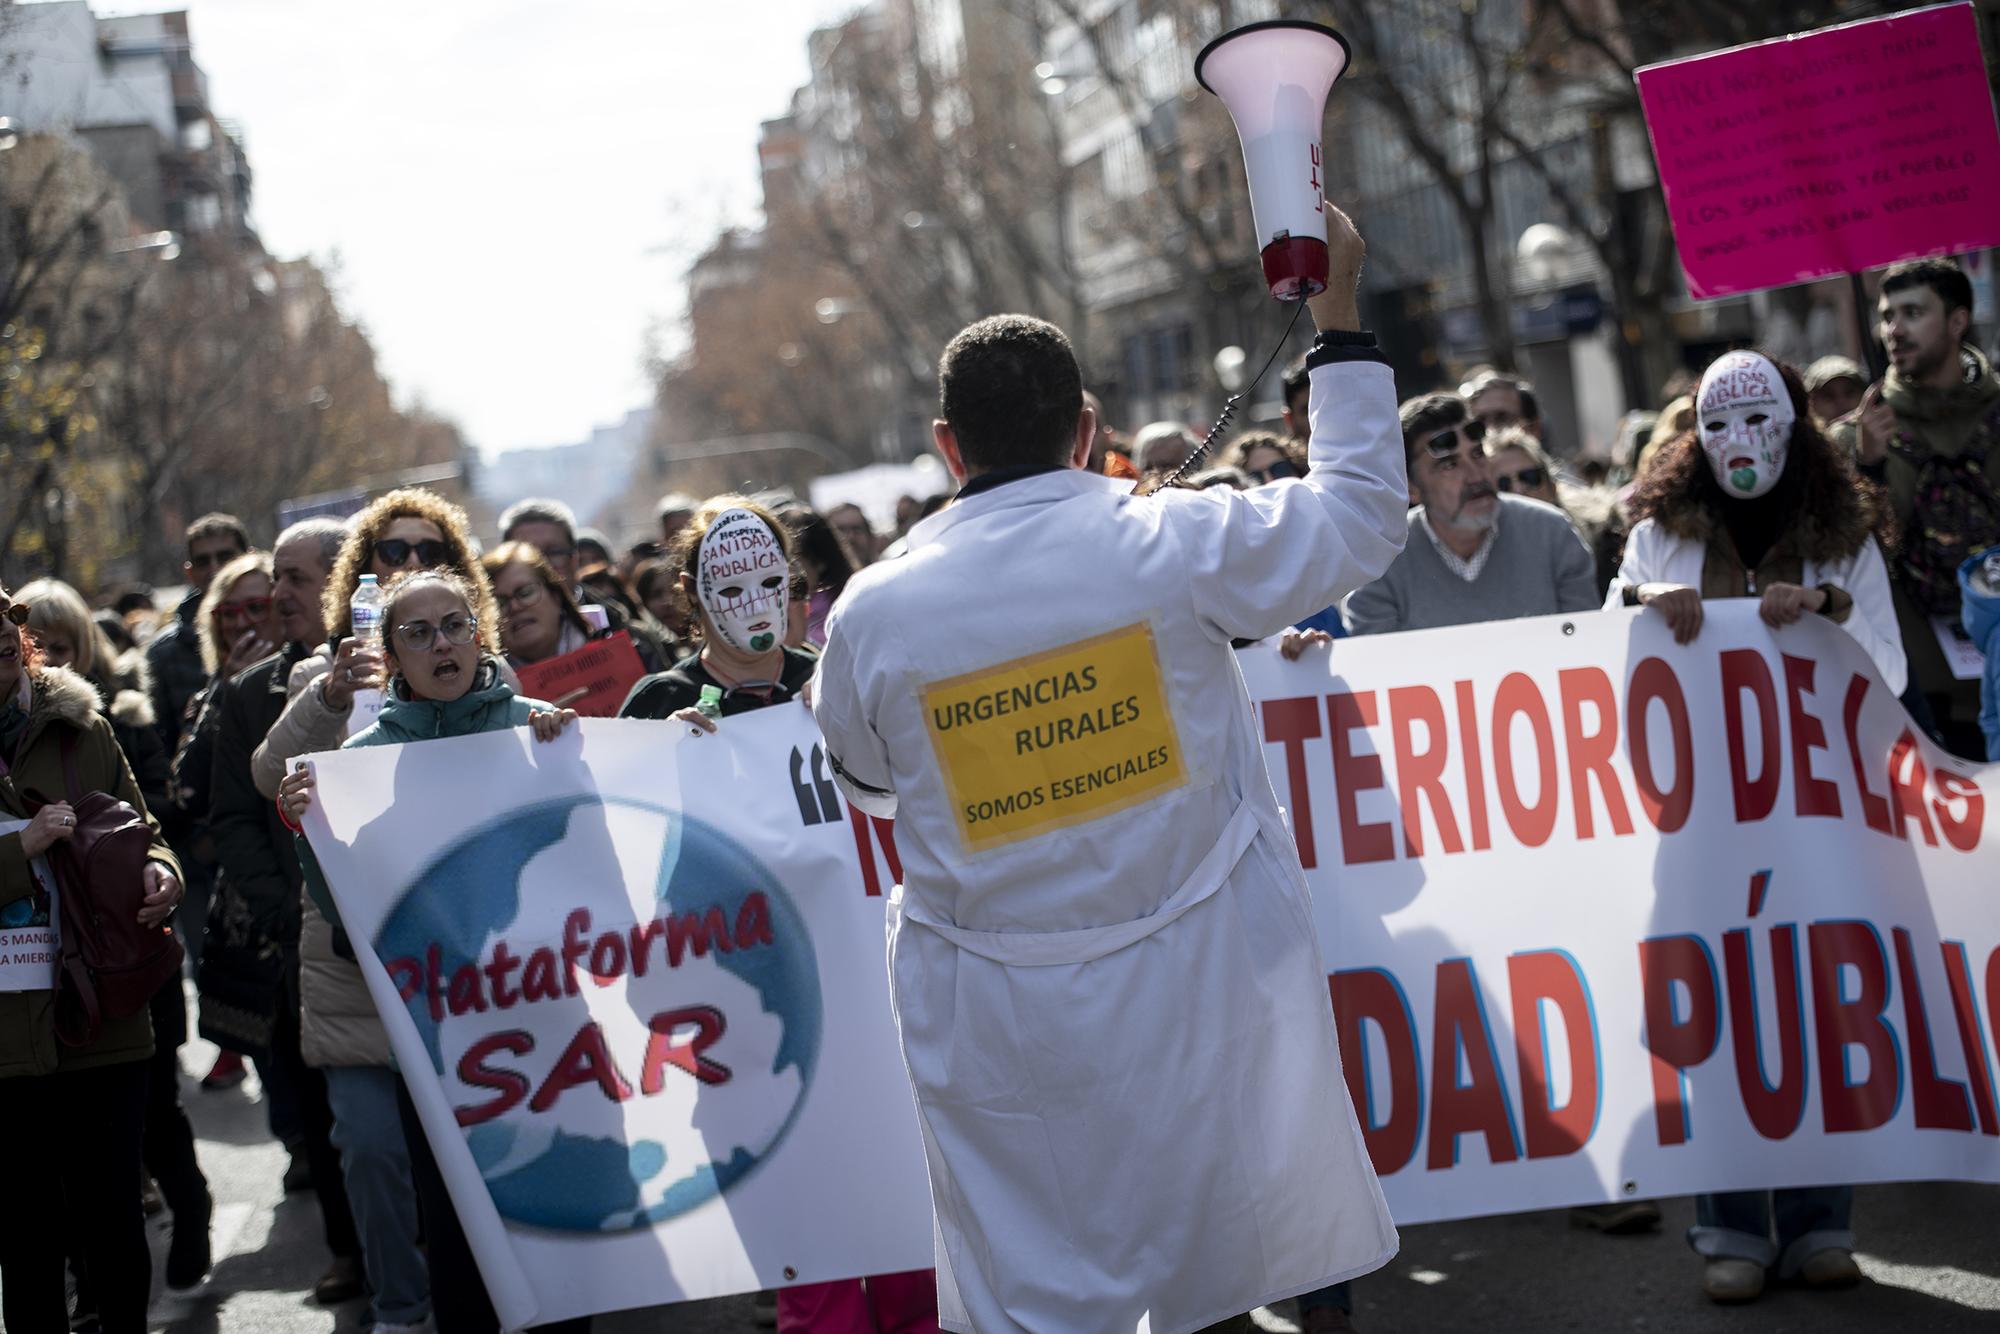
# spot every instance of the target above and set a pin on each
(441, 647)
(404, 531)
(1265, 456)
(1519, 466)
(77, 1114)
(1474, 553)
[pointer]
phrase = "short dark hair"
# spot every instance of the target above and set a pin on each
(218, 525)
(1427, 414)
(1009, 388)
(538, 511)
(1531, 411)
(1297, 380)
(1942, 276)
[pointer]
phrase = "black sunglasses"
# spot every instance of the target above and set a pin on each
(17, 612)
(1282, 468)
(395, 551)
(1445, 443)
(1529, 478)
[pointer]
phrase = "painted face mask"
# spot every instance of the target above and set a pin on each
(1745, 417)
(741, 579)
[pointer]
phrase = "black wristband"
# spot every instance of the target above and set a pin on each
(1335, 346)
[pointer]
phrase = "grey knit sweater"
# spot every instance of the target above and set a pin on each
(1538, 565)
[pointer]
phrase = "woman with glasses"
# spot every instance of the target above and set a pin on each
(1519, 466)
(406, 530)
(321, 1031)
(441, 644)
(539, 618)
(74, 1116)
(236, 628)
(1265, 457)
(735, 560)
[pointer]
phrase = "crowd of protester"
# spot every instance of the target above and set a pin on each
(1872, 506)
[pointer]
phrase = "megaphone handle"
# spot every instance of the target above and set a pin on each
(1228, 413)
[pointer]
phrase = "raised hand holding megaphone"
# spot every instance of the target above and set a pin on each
(1338, 306)
(1274, 78)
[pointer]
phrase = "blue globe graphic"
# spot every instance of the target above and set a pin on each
(471, 893)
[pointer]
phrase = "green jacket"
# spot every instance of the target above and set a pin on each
(63, 702)
(1940, 422)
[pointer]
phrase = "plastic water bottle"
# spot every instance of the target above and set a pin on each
(366, 612)
(710, 704)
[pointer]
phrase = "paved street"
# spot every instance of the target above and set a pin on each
(1931, 1252)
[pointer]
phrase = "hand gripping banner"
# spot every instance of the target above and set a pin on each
(1604, 917)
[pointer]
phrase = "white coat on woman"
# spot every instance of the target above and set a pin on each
(1118, 1029)
(1655, 556)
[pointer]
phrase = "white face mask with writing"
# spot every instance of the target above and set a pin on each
(742, 579)
(1744, 415)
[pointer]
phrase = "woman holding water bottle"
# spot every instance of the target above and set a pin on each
(403, 532)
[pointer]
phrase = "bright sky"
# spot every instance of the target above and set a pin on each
(512, 187)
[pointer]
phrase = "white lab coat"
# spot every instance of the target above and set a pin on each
(1118, 1030)
(1655, 556)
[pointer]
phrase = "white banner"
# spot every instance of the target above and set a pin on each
(635, 983)
(1606, 917)
(30, 929)
(1611, 917)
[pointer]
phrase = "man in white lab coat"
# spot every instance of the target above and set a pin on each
(1102, 960)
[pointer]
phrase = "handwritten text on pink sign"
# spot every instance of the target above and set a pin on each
(1828, 153)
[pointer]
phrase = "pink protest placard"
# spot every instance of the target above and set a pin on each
(1828, 152)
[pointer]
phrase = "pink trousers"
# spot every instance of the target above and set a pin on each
(881, 1304)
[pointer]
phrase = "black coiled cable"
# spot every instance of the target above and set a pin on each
(1228, 413)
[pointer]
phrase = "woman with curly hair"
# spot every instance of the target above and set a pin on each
(405, 530)
(1755, 502)
(735, 559)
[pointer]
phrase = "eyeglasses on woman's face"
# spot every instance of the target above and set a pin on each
(17, 612)
(458, 630)
(249, 609)
(527, 595)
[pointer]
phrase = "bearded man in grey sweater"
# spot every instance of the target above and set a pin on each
(1473, 554)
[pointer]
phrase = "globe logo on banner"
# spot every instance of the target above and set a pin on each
(623, 1006)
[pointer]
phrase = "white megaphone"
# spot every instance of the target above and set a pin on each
(1274, 77)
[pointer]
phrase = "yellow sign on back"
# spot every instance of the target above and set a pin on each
(1056, 738)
